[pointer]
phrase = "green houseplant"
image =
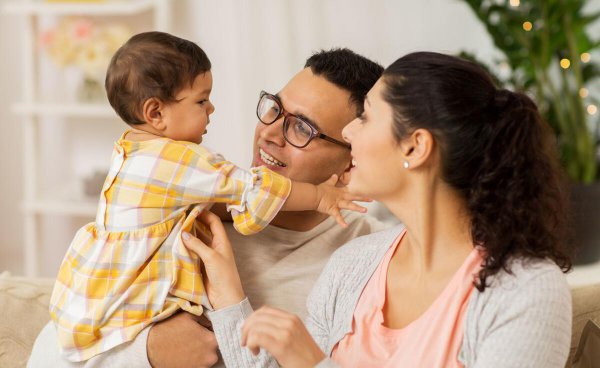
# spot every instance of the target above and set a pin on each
(548, 52)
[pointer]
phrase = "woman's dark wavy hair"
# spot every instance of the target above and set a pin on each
(151, 64)
(495, 150)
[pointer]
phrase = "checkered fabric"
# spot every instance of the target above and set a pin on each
(129, 268)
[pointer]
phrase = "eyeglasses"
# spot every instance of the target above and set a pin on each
(296, 131)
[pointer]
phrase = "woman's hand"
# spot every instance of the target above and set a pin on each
(283, 335)
(221, 278)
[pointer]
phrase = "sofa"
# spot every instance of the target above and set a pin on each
(24, 311)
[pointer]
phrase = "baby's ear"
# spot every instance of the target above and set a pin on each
(152, 112)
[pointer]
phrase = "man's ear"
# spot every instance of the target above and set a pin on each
(152, 113)
(417, 148)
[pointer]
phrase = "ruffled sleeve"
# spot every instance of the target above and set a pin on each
(253, 197)
(262, 199)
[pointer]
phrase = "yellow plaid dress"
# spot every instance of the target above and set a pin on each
(129, 268)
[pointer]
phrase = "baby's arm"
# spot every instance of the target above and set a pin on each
(254, 197)
(325, 197)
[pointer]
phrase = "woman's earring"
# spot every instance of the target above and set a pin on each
(406, 165)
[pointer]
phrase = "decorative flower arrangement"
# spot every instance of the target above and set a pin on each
(82, 43)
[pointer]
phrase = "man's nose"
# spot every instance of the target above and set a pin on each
(273, 132)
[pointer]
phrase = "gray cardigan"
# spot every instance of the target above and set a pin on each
(523, 319)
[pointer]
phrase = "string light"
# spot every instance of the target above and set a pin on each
(515, 3)
(583, 92)
(527, 26)
(592, 109)
(585, 57)
(565, 63)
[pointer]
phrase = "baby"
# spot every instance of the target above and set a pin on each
(129, 268)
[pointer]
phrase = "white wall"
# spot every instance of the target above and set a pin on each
(253, 49)
(11, 234)
(253, 45)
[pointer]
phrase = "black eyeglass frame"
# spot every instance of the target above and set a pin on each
(314, 132)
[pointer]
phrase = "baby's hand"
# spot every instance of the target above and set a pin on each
(332, 198)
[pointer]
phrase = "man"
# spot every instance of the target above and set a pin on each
(299, 135)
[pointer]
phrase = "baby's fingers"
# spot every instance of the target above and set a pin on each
(349, 205)
(338, 217)
(355, 197)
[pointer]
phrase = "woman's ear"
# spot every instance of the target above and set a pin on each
(152, 112)
(417, 148)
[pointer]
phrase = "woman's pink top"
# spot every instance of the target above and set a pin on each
(432, 340)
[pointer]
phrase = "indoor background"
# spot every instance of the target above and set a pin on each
(253, 45)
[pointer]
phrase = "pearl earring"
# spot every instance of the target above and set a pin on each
(406, 164)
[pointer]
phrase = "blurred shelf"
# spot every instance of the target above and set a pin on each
(155, 14)
(58, 109)
(106, 7)
(83, 208)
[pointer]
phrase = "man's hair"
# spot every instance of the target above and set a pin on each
(151, 64)
(347, 70)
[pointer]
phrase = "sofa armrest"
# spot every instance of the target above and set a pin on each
(586, 307)
(23, 314)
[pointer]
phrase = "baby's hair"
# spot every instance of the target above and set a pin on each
(151, 64)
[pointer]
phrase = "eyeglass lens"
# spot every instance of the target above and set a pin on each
(296, 131)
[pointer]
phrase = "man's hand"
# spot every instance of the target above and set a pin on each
(180, 341)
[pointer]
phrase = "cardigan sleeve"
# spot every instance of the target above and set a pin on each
(227, 326)
(227, 323)
(522, 321)
(318, 319)
(330, 303)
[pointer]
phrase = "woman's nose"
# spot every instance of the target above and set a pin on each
(347, 131)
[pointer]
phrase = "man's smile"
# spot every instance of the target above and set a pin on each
(269, 160)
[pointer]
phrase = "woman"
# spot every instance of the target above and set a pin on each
(472, 277)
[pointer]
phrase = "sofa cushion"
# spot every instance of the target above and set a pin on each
(23, 313)
(586, 307)
(588, 351)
